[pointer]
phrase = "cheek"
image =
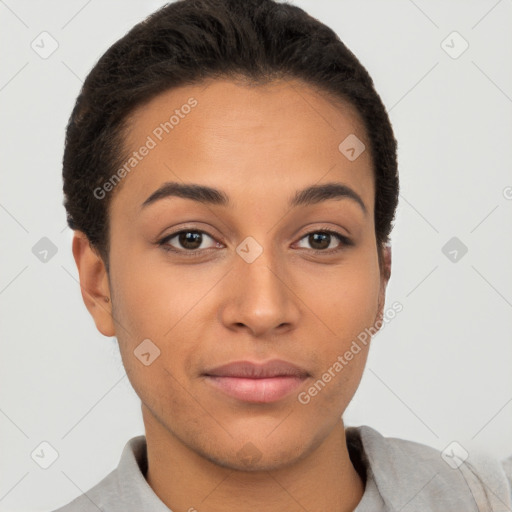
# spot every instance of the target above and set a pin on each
(345, 299)
(347, 307)
(330, 392)
(166, 305)
(151, 296)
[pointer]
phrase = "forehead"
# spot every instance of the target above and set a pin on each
(268, 138)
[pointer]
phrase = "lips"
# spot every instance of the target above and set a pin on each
(258, 383)
(246, 369)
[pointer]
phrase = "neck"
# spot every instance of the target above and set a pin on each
(325, 479)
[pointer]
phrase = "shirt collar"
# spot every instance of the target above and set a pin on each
(400, 475)
(134, 491)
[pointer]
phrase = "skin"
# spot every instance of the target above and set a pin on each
(259, 145)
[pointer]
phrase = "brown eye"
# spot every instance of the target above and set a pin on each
(187, 240)
(190, 239)
(322, 241)
(319, 240)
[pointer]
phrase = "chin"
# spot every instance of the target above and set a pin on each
(250, 458)
(259, 452)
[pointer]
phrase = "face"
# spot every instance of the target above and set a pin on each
(247, 276)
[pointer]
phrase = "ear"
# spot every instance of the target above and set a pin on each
(94, 283)
(385, 274)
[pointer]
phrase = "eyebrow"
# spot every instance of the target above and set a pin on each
(204, 194)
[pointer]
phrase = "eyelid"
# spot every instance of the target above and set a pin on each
(208, 230)
(344, 240)
(164, 241)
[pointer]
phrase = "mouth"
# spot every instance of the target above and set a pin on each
(257, 383)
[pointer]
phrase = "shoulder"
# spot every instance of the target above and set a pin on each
(123, 489)
(414, 476)
(94, 499)
(507, 468)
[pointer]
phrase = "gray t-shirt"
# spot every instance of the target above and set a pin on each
(399, 475)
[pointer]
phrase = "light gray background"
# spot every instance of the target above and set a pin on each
(440, 371)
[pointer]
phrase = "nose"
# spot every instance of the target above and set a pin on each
(260, 297)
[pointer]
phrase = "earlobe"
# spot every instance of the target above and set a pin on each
(385, 275)
(387, 263)
(94, 284)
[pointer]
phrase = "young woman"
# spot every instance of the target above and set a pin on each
(230, 173)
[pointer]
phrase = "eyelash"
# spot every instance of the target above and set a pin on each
(345, 242)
